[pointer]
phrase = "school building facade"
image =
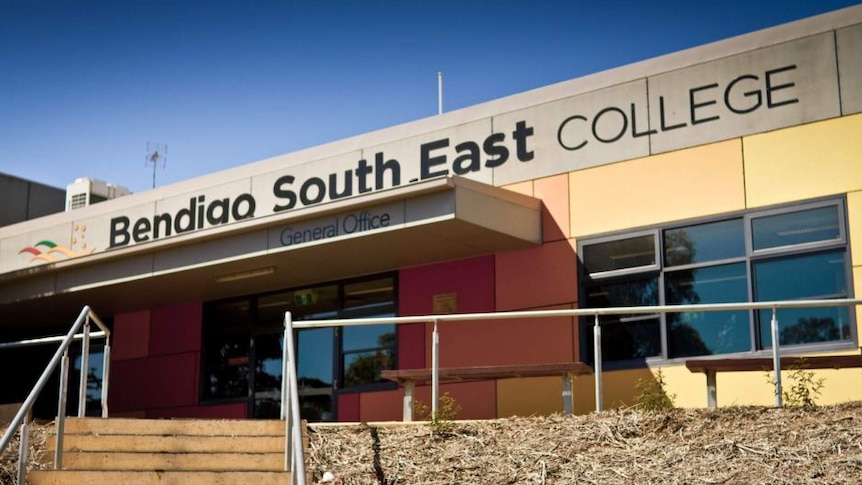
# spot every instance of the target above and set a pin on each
(729, 172)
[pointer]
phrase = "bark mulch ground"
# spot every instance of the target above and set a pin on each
(736, 445)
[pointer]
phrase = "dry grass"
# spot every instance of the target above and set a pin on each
(726, 446)
(37, 453)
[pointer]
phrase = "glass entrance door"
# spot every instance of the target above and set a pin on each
(266, 397)
(243, 347)
(315, 373)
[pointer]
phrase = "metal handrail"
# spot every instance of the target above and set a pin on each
(597, 336)
(61, 358)
(46, 340)
(293, 457)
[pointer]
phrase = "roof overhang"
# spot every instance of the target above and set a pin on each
(425, 222)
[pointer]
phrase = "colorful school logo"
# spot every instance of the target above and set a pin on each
(51, 252)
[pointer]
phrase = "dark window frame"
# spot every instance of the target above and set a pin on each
(750, 258)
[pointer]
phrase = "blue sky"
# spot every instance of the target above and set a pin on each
(85, 84)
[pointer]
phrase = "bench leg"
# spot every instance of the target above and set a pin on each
(568, 407)
(711, 400)
(408, 400)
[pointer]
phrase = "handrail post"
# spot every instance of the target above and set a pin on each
(23, 448)
(776, 359)
(106, 375)
(285, 393)
(85, 369)
(285, 389)
(293, 458)
(597, 364)
(61, 410)
(435, 372)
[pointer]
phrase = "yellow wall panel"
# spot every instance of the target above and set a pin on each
(530, 396)
(804, 162)
(752, 388)
(678, 185)
(857, 286)
(688, 389)
(584, 394)
(618, 389)
(854, 221)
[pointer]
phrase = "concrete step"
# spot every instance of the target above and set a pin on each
(184, 427)
(172, 444)
(168, 452)
(157, 477)
(173, 461)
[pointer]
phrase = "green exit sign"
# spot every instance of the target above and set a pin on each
(305, 297)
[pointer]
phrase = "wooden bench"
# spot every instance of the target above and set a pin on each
(711, 366)
(409, 377)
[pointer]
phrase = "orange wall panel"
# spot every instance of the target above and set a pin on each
(525, 187)
(554, 192)
(537, 277)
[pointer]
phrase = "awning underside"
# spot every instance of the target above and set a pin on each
(423, 223)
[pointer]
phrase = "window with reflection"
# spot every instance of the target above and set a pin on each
(619, 254)
(821, 224)
(707, 333)
(244, 344)
(804, 277)
(786, 253)
(367, 350)
(95, 371)
(626, 337)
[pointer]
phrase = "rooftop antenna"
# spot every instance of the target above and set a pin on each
(156, 152)
(439, 92)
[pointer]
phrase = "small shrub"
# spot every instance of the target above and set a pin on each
(653, 395)
(800, 388)
(447, 412)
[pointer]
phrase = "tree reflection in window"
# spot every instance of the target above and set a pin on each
(362, 366)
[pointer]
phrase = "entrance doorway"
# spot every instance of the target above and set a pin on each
(243, 345)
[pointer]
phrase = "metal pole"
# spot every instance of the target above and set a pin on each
(106, 377)
(435, 372)
(776, 359)
(439, 92)
(61, 410)
(297, 468)
(285, 389)
(23, 449)
(285, 393)
(597, 364)
(85, 368)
